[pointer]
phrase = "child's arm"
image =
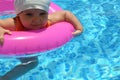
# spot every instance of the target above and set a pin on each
(8, 24)
(66, 16)
(5, 26)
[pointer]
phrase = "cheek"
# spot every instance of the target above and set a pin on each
(45, 23)
(44, 19)
(25, 23)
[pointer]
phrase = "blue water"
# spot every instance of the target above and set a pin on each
(94, 55)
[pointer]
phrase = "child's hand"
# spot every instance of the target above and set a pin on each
(2, 32)
(77, 32)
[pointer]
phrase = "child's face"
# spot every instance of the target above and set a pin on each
(33, 18)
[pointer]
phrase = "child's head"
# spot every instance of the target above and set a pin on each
(33, 14)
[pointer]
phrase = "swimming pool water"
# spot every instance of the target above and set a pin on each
(94, 55)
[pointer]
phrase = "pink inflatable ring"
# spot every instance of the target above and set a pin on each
(29, 42)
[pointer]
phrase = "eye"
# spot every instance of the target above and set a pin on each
(29, 14)
(43, 13)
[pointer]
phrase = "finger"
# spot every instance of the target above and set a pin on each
(1, 40)
(76, 33)
(8, 32)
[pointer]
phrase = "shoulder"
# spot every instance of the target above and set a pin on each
(57, 16)
(61, 12)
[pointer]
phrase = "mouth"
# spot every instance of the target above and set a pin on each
(38, 26)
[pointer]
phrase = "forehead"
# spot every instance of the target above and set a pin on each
(33, 10)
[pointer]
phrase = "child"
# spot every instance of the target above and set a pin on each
(32, 15)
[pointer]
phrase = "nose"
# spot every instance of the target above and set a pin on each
(36, 20)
